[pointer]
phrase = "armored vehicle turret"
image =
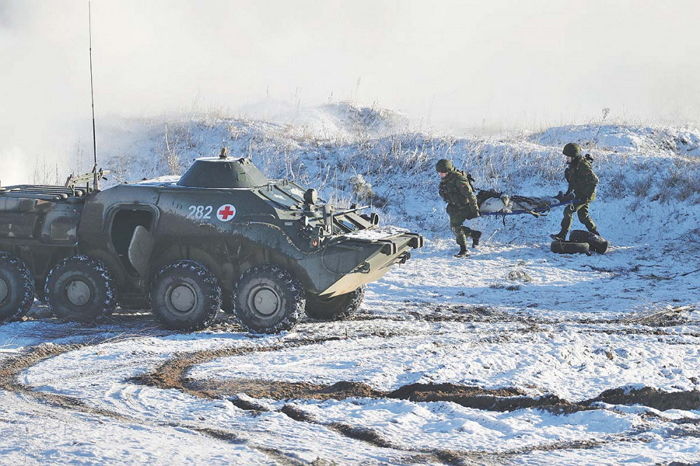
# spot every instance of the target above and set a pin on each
(223, 236)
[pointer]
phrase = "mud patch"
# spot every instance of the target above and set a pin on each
(11, 368)
(363, 434)
(172, 375)
(671, 316)
(278, 390)
(651, 397)
(503, 399)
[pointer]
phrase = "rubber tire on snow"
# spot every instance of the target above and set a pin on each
(95, 278)
(569, 247)
(595, 242)
(18, 288)
(336, 308)
(199, 283)
(273, 281)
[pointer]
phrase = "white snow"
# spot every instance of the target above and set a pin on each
(512, 315)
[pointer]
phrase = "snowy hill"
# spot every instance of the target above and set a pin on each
(512, 356)
(649, 176)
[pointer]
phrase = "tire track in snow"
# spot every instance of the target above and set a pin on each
(172, 375)
(11, 368)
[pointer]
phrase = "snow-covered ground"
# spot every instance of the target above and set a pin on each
(514, 355)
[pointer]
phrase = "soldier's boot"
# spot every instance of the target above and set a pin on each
(476, 235)
(561, 236)
(462, 251)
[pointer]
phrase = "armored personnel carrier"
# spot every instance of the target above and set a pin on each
(223, 236)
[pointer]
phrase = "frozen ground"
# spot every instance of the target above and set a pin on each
(514, 355)
(507, 357)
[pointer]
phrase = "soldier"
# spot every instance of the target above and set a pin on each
(582, 183)
(456, 189)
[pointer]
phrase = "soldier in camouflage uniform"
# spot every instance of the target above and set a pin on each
(456, 189)
(582, 184)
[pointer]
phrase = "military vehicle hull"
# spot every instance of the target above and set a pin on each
(222, 236)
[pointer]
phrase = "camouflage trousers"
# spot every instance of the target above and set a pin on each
(583, 216)
(461, 232)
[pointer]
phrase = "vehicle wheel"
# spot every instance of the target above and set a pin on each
(16, 288)
(569, 247)
(80, 288)
(337, 308)
(268, 299)
(186, 296)
(595, 242)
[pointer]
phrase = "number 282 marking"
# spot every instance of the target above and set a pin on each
(200, 211)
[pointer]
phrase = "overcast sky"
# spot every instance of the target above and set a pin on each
(455, 64)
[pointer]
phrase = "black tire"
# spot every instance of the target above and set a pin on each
(337, 308)
(80, 288)
(595, 242)
(16, 288)
(185, 296)
(569, 247)
(267, 299)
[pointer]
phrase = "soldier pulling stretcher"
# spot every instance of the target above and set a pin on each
(464, 202)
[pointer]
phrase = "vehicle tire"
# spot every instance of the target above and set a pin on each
(80, 288)
(267, 299)
(185, 296)
(595, 242)
(336, 308)
(569, 247)
(16, 288)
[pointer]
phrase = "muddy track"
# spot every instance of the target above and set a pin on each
(172, 374)
(11, 368)
(502, 400)
(429, 312)
(651, 397)
(438, 455)
(642, 323)
(372, 437)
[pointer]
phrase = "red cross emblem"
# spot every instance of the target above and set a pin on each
(226, 213)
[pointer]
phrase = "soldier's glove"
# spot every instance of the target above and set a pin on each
(565, 197)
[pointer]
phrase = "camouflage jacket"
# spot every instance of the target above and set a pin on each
(582, 180)
(456, 189)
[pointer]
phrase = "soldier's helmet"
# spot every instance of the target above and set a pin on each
(572, 150)
(444, 166)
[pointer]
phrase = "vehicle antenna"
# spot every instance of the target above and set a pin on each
(95, 174)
